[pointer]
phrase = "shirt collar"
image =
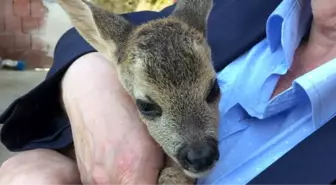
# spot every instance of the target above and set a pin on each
(319, 84)
(286, 26)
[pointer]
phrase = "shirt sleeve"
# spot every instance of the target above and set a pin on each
(36, 119)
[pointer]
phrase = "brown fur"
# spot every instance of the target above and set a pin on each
(166, 62)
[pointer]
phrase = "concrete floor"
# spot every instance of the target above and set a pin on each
(13, 84)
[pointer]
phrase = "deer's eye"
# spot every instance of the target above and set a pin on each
(148, 109)
(214, 92)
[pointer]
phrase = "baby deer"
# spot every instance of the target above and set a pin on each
(166, 67)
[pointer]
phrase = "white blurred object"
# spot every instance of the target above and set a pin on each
(42, 69)
(56, 23)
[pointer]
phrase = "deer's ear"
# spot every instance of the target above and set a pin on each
(105, 31)
(194, 12)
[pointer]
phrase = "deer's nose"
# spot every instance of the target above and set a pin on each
(200, 157)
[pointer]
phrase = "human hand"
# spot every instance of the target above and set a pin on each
(112, 144)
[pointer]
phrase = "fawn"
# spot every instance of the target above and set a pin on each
(166, 67)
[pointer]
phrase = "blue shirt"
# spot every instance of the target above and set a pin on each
(256, 130)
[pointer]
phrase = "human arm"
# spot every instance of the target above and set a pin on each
(112, 144)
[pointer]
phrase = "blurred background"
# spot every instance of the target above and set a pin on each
(29, 31)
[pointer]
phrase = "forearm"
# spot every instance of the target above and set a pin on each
(97, 104)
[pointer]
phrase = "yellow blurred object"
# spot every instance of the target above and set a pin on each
(153, 5)
(125, 6)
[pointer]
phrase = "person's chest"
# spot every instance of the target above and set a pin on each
(254, 131)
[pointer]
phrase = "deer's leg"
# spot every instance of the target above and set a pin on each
(174, 175)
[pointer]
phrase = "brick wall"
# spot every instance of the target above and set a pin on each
(20, 23)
